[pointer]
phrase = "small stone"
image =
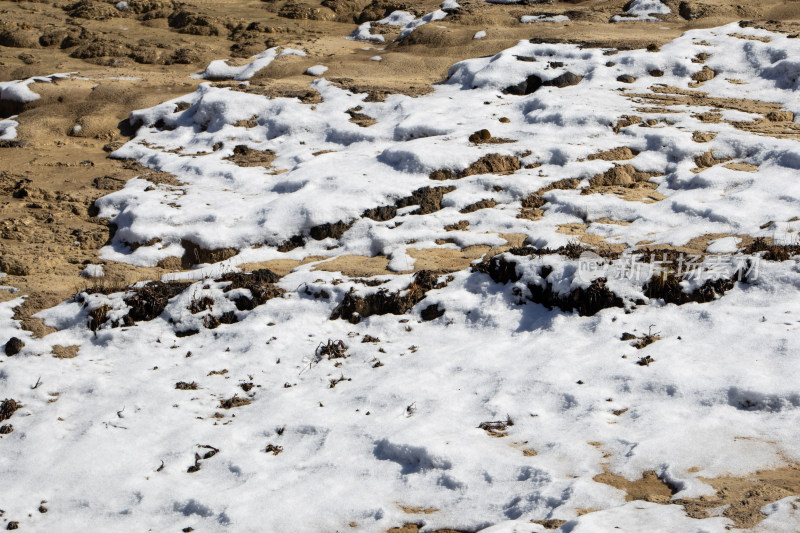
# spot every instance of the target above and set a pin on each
(626, 78)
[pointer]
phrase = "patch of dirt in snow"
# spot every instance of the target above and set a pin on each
(740, 498)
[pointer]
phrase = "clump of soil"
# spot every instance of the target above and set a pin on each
(621, 153)
(621, 175)
(328, 230)
(182, 385)
(485, 137)
(13, 346)
(482, 204)
(7, 408)
(194, 254)
(194, 24)
(354, 308)
(432, 312)
(488, 164)
(429, 199)
(245, 156)
(360, 119)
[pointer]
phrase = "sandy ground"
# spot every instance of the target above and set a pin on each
(128, 60)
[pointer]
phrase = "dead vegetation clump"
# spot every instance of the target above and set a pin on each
(355, 308)
(260, 283)
(667, 286)
(497, 428)
(234, 401)
(586, 301)
(771, 251)
(332, 349)
(182, 385)
(273, 449)
(642, 341)
(150, 300)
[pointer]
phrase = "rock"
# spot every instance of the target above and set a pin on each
(13, 346)
(626, 78)
(565, 80)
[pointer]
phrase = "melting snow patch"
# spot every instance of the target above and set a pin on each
(544, 18)
(8, 129)
(316, 70)
(643, 10)
(362, 33)
(20, 91)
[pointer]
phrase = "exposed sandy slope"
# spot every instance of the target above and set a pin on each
(52, 174)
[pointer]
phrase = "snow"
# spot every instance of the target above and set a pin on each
(220, 69)
(479, 35)
(20, 91)
(362, 33)
(544, 18)
(376, 58)
(359, 439)
(439, 14)
(93, 271)
(8, 128)
(643, 10)
(316, 70)
(399, 18)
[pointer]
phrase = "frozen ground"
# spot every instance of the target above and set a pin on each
(486, 398)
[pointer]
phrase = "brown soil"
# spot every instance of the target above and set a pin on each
(743, 496)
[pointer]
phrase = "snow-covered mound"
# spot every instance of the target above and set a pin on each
(606, 141)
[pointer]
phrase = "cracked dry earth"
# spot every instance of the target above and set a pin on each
(486, 177)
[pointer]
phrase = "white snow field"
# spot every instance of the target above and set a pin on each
(496, 394)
